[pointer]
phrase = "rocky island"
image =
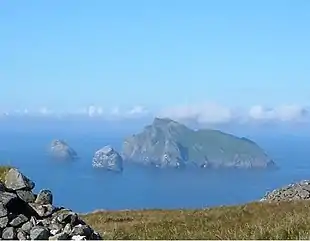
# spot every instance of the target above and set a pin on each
(109, 159)
(167, 143)
(59, 149)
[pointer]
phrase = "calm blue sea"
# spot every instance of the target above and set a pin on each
(82, 188)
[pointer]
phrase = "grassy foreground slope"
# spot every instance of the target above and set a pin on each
(285, 220)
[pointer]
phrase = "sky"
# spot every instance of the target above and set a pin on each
(159, 54)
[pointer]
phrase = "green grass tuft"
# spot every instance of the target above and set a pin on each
(3, 171)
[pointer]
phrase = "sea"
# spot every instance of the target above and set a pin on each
(82, 188)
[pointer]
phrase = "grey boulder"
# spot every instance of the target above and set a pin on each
(9, 233)
(39, 233)
(109, 159)
(15, 180)
(19, 220)
(26, 196)
(44, 197)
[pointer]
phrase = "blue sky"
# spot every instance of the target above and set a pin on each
(156, 53)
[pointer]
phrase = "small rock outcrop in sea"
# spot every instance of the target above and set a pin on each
(61, 150)
(108, 158)
(27, 216)
(291, 192)
(167, 143)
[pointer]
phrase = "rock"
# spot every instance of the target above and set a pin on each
(56, 228)
(15, 180)
(44, 197)
(39, 233)
(82, 230)
(19, 220)
(27, 226)
(9, 233)
(168, 144)
(59, 236)
(67, 216)
(78, 237)
(61, 150)
(2, 187)
(46, 222)
(3, 210)
(4, 221)
(26, 196)
(42, 210)
(68, 228)
(108, 158)
(7, 198)
(96, 236)
(25, 215)
(291, 192)
(33, 221)
(22, 235)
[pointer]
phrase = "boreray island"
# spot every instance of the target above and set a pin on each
(166, 143)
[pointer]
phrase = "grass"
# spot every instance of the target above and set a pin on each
(3, 171)
(285, 220)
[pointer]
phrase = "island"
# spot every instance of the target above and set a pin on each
(59, 149)
(168, 143)
(109, 159)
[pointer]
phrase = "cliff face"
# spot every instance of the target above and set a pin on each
(167, 143)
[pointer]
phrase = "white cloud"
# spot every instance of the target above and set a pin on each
(91, 111)
(99, 111)
(94, 111)
(280, 113)
(137, 111)
(202, 113)
(115, 111)
(45, 111)
(211, 113)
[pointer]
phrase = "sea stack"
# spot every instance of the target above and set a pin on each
(59, 149)
(109, 159)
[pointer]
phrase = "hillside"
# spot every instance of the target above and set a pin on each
(286, 220)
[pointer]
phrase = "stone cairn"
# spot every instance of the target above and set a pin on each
(27, 216)
(291, 192)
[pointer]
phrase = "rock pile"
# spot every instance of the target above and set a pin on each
(291, 192)
(27, 216)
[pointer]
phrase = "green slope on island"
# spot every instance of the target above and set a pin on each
(167, 143)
